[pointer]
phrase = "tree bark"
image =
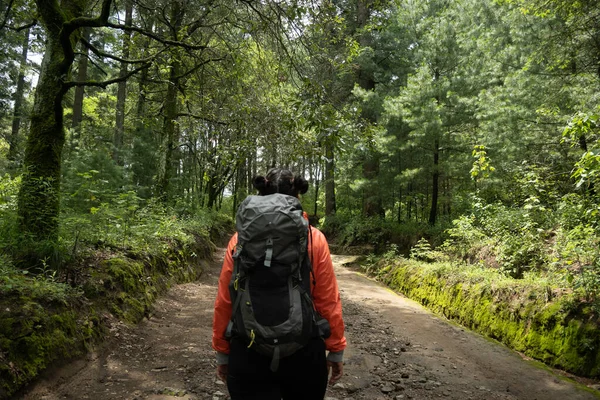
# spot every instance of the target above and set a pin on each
(371, 195)
(169, 127)
(435, 182)
(82, 67)
(18, 99)
(330, 204)
(122, 90)
(170, 110)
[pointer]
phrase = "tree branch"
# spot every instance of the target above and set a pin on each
(202, 118)
(151, 35)
(6, 14)
(51, 15)
(198, 66)
(102, 54)
(92, 61)
(23, 27)
(80, 22)
(104, 84)
(71, 26)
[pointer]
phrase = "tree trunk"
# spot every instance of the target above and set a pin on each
(399, 215)
(13, 141)
(168, 141)
(371, 196)
(435, 183)
(38, 202)
(330, 205)
(170, 110)
(122, 90)
(366, 80)
(82, 67)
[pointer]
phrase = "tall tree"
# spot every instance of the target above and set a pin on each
(18, 99)
(122, 87)
(40, 189)
(82, 68)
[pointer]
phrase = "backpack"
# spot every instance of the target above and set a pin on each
(270, 286)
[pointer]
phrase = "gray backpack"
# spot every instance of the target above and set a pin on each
(270, 286)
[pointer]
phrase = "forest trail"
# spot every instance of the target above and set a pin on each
(396, 350)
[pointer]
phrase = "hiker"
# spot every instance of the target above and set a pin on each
(282, 356)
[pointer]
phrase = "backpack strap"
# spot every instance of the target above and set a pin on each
(275, 359)
(312, 256)
(238, 298)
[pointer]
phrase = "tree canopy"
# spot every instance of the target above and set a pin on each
(407, 112)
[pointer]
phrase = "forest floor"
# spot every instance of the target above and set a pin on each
(396, 350)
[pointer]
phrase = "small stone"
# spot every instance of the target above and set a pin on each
(339, 386)
(403, 349)
(387, 389)
(405, 375)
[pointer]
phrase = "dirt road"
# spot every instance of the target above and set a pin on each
(396, 350)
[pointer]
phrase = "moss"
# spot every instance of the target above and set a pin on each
(41, 326)
(520, 316)
(34, 338)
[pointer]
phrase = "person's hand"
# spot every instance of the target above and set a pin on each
(222, 371)
(336, 370)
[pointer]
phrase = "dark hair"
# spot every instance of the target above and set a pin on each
(279, 180)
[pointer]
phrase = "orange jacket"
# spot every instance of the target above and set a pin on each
(326, 296)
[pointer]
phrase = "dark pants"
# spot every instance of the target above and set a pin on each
(301, 376)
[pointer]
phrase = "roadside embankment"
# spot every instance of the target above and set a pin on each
(51, 317)
(542, 322)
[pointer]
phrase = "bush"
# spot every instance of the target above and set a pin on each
(349, 230)
(514, 239)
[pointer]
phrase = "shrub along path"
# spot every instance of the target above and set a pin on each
(397, 350)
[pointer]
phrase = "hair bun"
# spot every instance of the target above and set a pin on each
(260, 183)
(300, 184)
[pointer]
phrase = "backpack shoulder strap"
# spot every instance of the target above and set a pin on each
(312, 256)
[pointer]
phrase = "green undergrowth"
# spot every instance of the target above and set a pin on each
(530, 315)
(49, 315)
(351, 232)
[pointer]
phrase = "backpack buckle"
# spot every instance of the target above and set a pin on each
(269, 252)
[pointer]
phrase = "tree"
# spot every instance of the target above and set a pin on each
(39, 193)
(64, 22)
(122, 87)
(19, 109)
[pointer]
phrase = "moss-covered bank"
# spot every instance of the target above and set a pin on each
(43, 321)
(543, 323)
